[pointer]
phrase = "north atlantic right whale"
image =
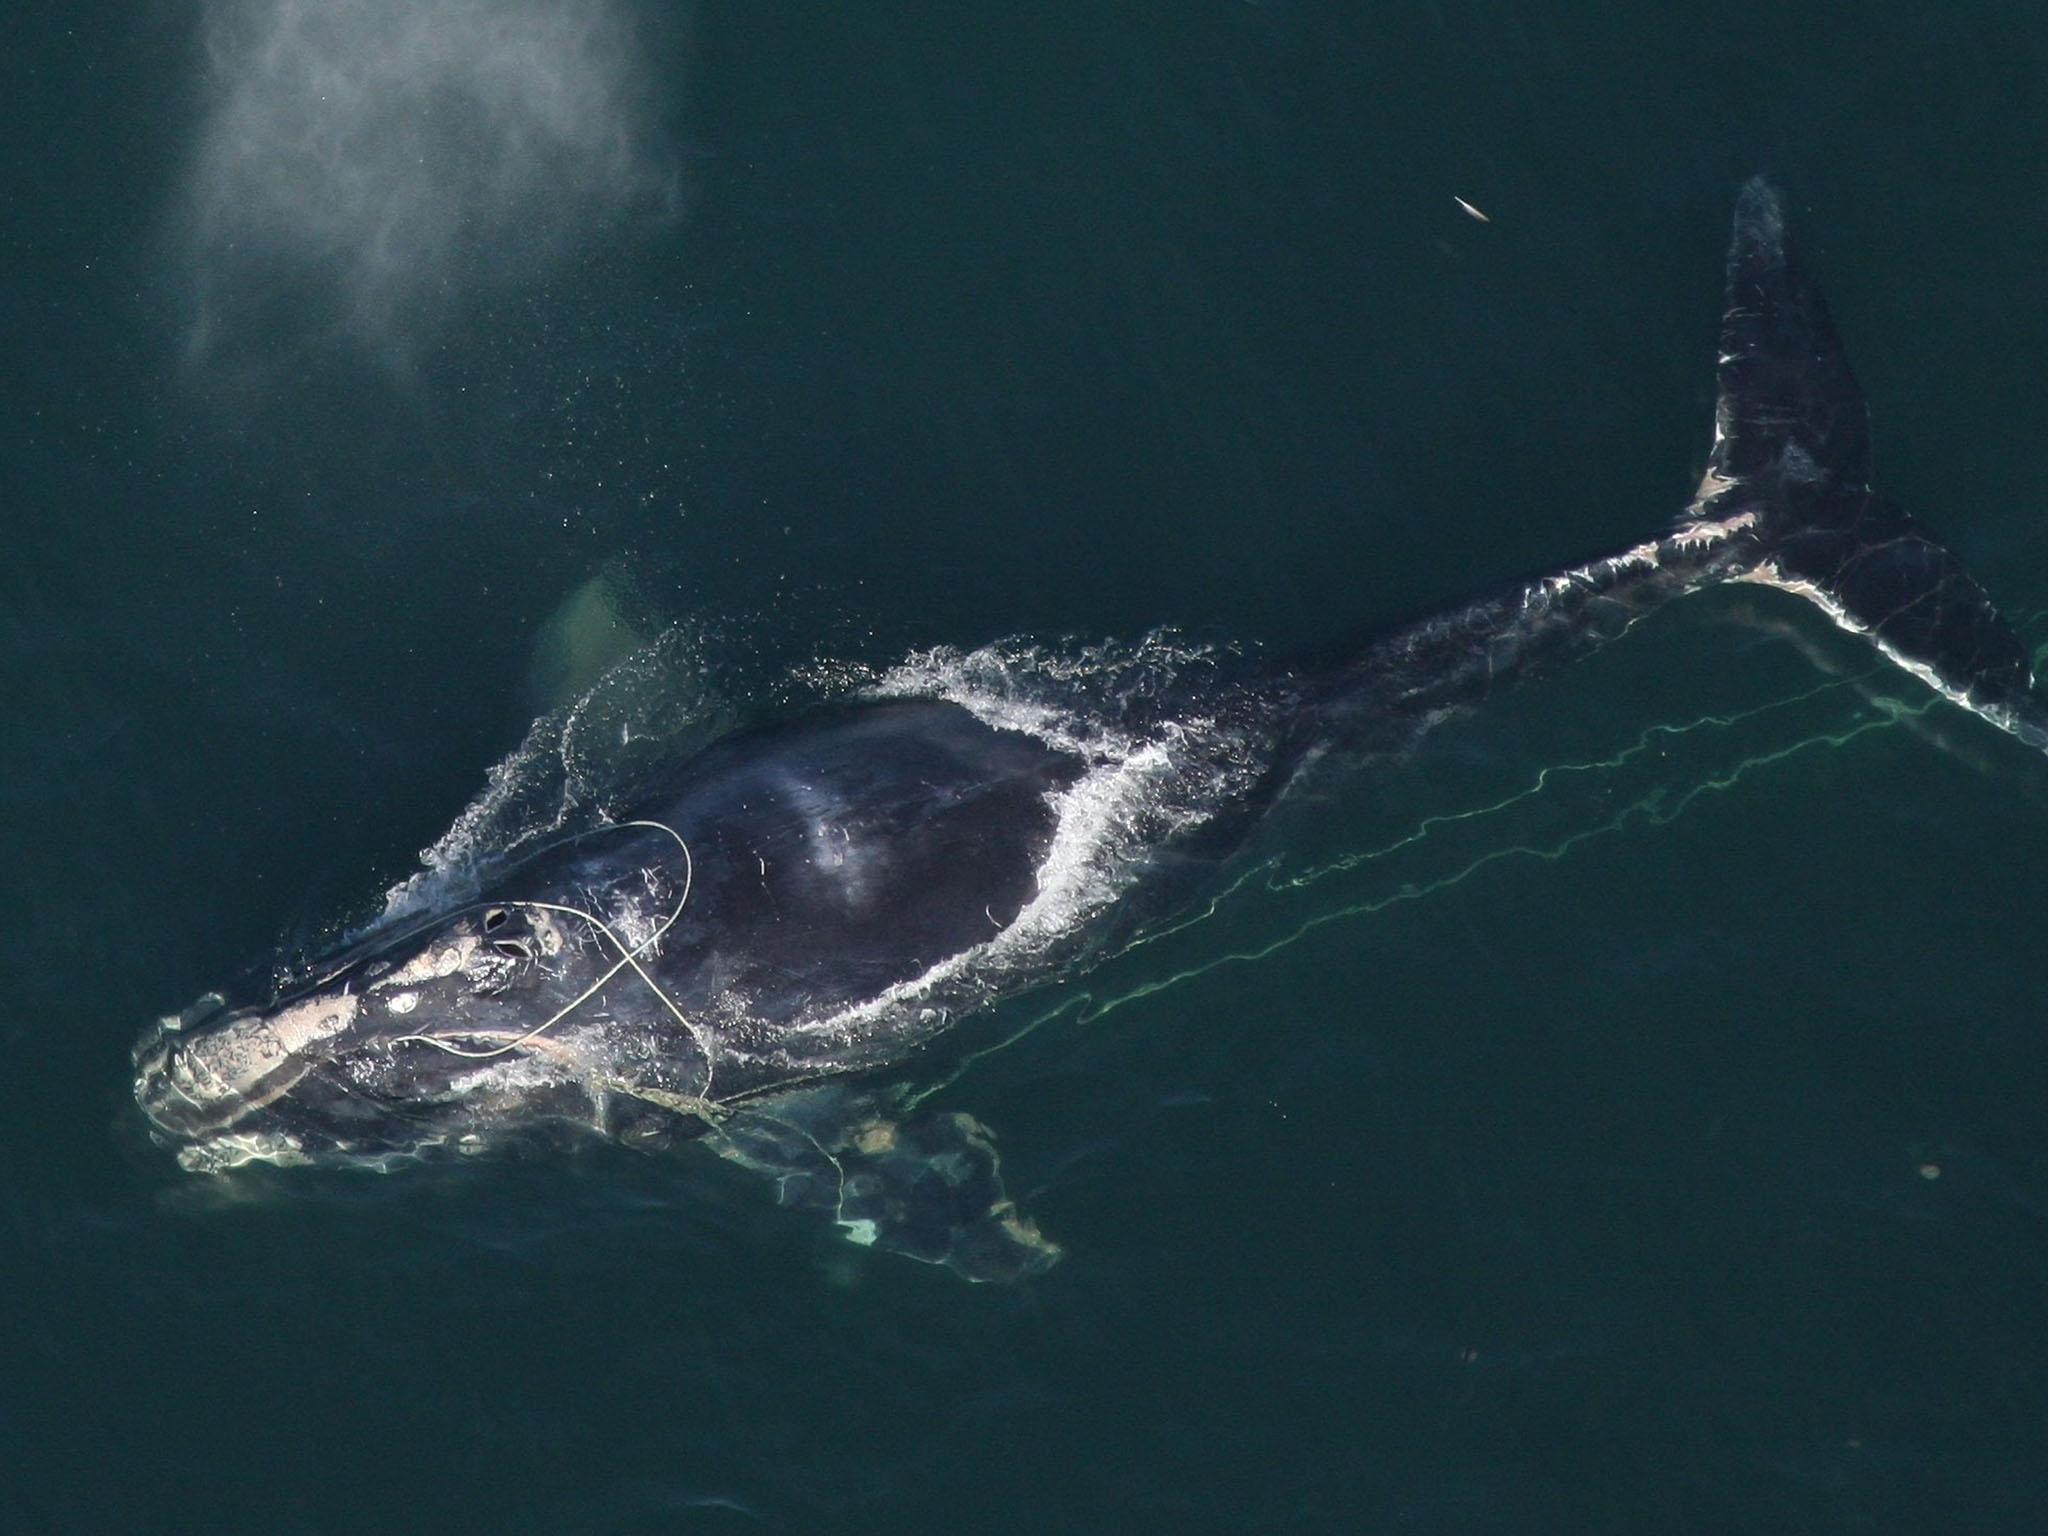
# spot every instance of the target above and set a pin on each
(747, 951)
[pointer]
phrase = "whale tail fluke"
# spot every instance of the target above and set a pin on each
(1791, 459)
(1785, 502)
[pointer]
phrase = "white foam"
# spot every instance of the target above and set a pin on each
(1141, 788)
(655, 704)
(986, 683)
(500, 820)
(1141, 784)
(1072, 700)
(1101, 823)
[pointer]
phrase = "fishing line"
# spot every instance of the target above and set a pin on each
(1651, 738)
(1656, 809)
(1652, 809)
(628, 956)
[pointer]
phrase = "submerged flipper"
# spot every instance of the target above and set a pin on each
(1791, 462)
(927, 1185)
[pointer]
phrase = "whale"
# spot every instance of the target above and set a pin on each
(746, 949)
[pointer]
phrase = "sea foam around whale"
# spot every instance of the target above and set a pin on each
(1155, 765)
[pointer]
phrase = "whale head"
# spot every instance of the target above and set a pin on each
(440, 1037)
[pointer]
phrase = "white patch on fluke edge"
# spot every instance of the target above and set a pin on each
(1770, 575)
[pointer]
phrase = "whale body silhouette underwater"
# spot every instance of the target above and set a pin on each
(778, 920)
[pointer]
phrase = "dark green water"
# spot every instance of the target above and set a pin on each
(1652, 1145)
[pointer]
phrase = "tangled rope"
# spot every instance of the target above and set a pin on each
(628, 956)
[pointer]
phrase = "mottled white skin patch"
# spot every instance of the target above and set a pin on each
(248, 1062)
(1704, 533)
(308, 1023)
(237, 1058)
(548, 938)
(431, 964)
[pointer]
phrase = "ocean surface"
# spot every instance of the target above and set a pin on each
(1625, 1114)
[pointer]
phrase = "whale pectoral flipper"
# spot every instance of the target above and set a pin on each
(927, 1185)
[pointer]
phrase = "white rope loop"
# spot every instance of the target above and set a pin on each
(628, 956)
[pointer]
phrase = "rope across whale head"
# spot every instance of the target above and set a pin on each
(629, 958)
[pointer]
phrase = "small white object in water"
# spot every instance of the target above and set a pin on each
(1474, 212)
